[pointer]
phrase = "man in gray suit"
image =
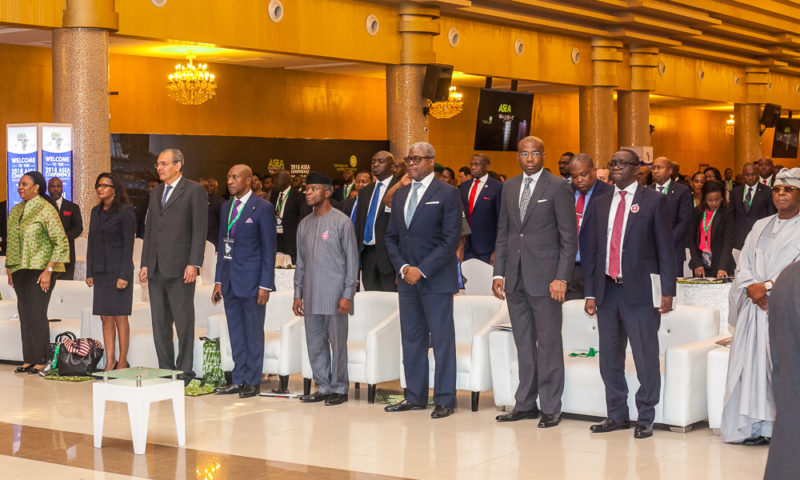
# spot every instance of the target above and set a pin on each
(172, 254)
(324, 285)
(537, 241)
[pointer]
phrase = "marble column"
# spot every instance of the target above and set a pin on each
(746, 130)
(80, 91)
(596, 103)
(633, 106)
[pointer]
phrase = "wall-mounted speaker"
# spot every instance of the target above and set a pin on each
(436, 86)
(770, 115)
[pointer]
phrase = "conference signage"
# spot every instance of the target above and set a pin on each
(57, 155)
(22, 156)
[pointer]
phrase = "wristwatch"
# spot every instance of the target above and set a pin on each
(769, 284)
(50, 269)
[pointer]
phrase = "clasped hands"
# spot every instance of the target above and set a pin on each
(757, 293)
(411, 275)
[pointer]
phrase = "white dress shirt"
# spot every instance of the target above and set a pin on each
(171, 190)
(535, 178)
(631, 190)
(481, 186)
(59, 202)
(380, 191)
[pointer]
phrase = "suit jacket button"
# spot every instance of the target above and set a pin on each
(521, 235)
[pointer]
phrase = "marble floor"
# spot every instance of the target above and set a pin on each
(46, 432)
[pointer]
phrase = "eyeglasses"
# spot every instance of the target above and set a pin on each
(535, 154)
(784, 188)
(161, 164)
(416, 160)
(620, 164)
(103, 185)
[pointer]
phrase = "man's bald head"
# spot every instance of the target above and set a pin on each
(662, 170)
(239, 179)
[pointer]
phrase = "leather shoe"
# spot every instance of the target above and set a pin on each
(314, 397)
(609, 425)
(550, 420)
(441, 411)
(756, 441)
(516, 415)
(643, 431)
(403, 406)
(335, 399)
(228, 389)
(248, 391)
(22, 369)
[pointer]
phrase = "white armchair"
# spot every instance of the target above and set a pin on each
(686, 336)
(717, 374)
(282, 338)
(373, 342)
(474, 316)
(478, 275)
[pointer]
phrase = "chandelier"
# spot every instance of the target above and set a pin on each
(729, 125)
(191, 84)
(448, 109)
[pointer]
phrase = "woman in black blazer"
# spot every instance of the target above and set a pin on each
(109, 264)
(711, 236)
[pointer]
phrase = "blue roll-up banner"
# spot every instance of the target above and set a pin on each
(21, 157)
(57, 155)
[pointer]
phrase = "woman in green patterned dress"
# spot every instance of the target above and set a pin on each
(37, 247)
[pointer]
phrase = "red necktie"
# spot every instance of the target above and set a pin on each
(579, 207)
(472, 196)
(616, 238)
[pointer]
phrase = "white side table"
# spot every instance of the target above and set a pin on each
(138, 394)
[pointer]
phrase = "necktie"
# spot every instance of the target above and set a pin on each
(234, 213)
(526, 197)
(614, 257)
(764, 181)
(369, 230)
(166, 193)
(580, 205)
(660, 189)
(354, 211)
(748, 199)
(472, 197)
(412, 203)
(280, 204)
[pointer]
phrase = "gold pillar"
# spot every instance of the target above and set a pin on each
(633, 107)
(596, 103)
(80, 90)
(405, 121)
(746, 138)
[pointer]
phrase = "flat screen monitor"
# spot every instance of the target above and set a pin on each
(504, 118)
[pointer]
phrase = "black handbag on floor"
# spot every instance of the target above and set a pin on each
(76, 357)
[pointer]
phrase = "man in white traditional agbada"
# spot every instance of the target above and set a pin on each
(772, 245)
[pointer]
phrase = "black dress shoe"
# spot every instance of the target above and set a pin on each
(335, 399)
(441, 411)
(248, 391)
(23, 369)
(404, 406)
(609, 425)
(314, 397)
(229, 389)
(643, 431)
(756, 441)
(34, 370)
(516, 415)
(550, 420)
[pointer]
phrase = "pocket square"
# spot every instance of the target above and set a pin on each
(486, 198)
(542, 200)
(67, 213)
(432, 203)
(249, 220)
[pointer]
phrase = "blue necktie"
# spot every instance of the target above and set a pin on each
(164, 198)
(354, 211)
(373, 210)
(412, 203)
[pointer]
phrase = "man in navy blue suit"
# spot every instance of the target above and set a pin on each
(679, 202)
(585, 187)
(481, 199)
(245, 276)
(422, 239)
(627, 238)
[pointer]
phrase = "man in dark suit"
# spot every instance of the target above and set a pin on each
(214, 204)
(422, 239)
(766, 172)
(290, 208)
(585, 187)
(372, 218)
(535, 253)
(245, 275)
(172, 254)
(617, 267)
(480, 197)
(679, 203)
(70, 215)
(350, 204)
(348, 186)
(751, 201)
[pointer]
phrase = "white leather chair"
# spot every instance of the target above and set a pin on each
(474, 316)
(138, 243)
(478, 275)
(209, 268)
(81, 245)
(282, 338)
(686, 336)
(717, 374)
(373, 342)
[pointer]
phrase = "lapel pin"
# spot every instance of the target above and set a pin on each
(634, 208)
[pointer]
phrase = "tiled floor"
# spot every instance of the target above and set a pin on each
(45, 432)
